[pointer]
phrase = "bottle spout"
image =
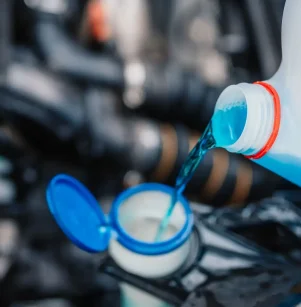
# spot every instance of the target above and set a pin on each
(228, 122)
(243, 118)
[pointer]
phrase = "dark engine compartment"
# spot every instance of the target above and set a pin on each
(116, 93)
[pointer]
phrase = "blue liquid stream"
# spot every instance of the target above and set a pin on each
(193, 160)
(224, 129)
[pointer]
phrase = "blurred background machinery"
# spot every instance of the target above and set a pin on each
(116, 92)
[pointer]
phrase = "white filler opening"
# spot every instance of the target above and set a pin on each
(140, 216)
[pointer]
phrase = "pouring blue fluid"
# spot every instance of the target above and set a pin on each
(224, 129)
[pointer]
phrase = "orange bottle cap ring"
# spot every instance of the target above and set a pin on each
(276, 125)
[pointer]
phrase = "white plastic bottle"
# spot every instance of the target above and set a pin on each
(265, 118)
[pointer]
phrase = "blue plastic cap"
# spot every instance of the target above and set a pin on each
(80, 217)
(78, 214)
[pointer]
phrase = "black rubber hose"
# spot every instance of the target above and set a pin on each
(234, 41)
(68, 58)
(44, 109)
(159, 150)
(36, 95)
(170, 93)
(222, 178)
(269, 55)
(5, 36)
(167, 91)
(275, 10)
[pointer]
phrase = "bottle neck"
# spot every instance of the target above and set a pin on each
(260, 116)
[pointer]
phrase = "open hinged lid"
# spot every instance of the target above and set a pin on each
(78, 213)
(81, 218)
